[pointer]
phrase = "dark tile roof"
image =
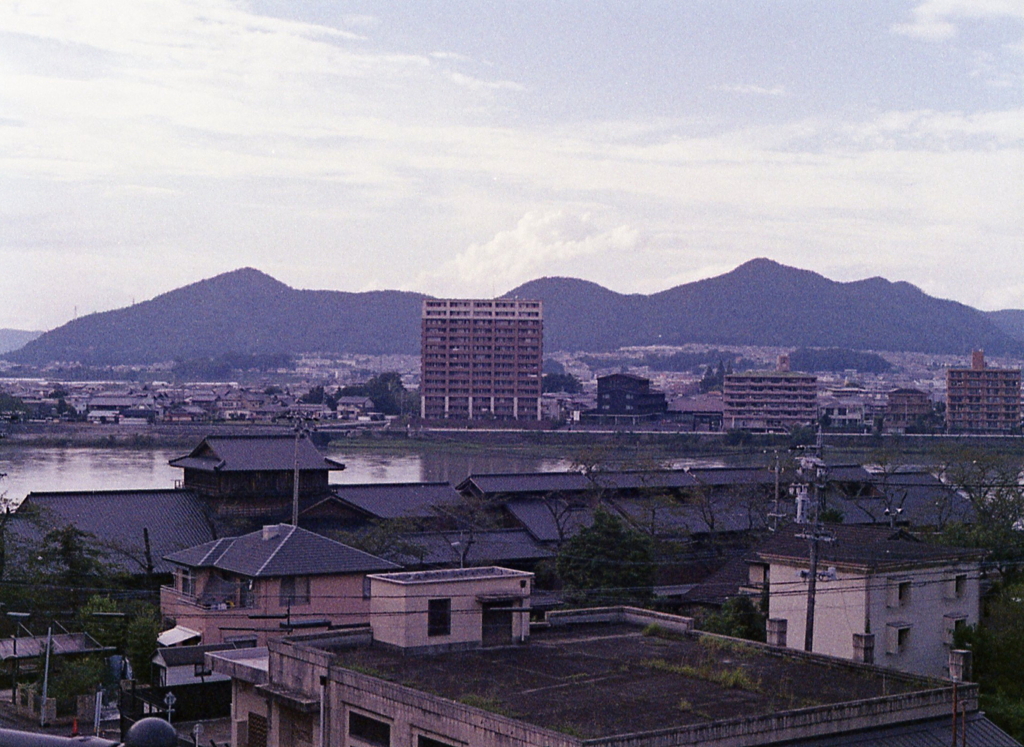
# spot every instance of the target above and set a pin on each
(872, 547)
(175, 519)
(490, 547)
(280, 550)
(551, 482)
(722, 584)
(254, 453)
(728, 476)
(396, 500)
(933, 732)
(542, 522)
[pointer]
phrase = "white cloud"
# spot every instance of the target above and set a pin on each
(542, 243)
(936, 20)
(753, 90)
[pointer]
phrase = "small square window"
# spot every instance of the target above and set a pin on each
(369, 730)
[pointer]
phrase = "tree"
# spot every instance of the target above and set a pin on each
(564, 382)
(140, 639)
(991, 481)
(998, 650)
(386, 390)
(607, 563)
(739, 618)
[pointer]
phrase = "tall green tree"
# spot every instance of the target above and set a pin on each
(607, 563)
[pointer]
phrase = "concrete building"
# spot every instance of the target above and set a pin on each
(769, 401)
(615, 677)
(905, 407)
(882, 596)
(981, 399)
(481, 359)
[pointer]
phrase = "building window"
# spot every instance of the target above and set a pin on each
(366, 587)
(950, 625)
(423, 741)
(897, 593)
(294, 591)
(897, 638)
(439, 617)
(187, 582)
(369, 730)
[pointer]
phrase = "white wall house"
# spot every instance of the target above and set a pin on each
(882, 596)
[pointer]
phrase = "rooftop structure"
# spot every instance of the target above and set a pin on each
(481, 359)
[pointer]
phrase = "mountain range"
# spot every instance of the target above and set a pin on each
(759, 303)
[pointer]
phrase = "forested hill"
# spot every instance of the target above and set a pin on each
(245, 311)
(758, 303)
(765, 303)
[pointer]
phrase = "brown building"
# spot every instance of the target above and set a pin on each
(905, 407)
(981, 399)
(481, 359)
(769, 401)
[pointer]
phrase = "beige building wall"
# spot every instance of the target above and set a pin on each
(339, 599)
(911, 612)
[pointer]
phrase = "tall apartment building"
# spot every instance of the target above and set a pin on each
(769, 401)
(481, 359)
(981, 399)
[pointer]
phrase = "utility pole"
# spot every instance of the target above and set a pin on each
(812, 488)
(301, 431)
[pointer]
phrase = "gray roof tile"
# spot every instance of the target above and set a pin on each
(117, 518)
(280, 550)
(254, 453)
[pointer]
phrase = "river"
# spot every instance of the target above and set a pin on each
(36, 468)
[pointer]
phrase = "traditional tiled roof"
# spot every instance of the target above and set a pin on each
(254, 454)
(491, 547)
(871, 547)
(396, 500)
(119, 519)
(280, 550)
(561, 482)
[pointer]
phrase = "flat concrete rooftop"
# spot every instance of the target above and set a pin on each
(599, 680)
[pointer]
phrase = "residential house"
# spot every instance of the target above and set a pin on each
(882, 596)
(266, 583)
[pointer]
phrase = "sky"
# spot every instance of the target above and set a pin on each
(463, 148)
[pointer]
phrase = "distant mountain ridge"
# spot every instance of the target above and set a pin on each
(759, 303)
(12, 339)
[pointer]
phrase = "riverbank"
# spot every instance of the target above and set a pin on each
(607, 445)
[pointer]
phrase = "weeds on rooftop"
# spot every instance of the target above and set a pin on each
(735, 678)
(487, 704)
(657, 631)
(725, 645)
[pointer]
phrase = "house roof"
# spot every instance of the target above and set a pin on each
(871, 547)
(394, 500)
(492, 547)
(280, 550)
(551, 482)
(175, 519)
(255, 454)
